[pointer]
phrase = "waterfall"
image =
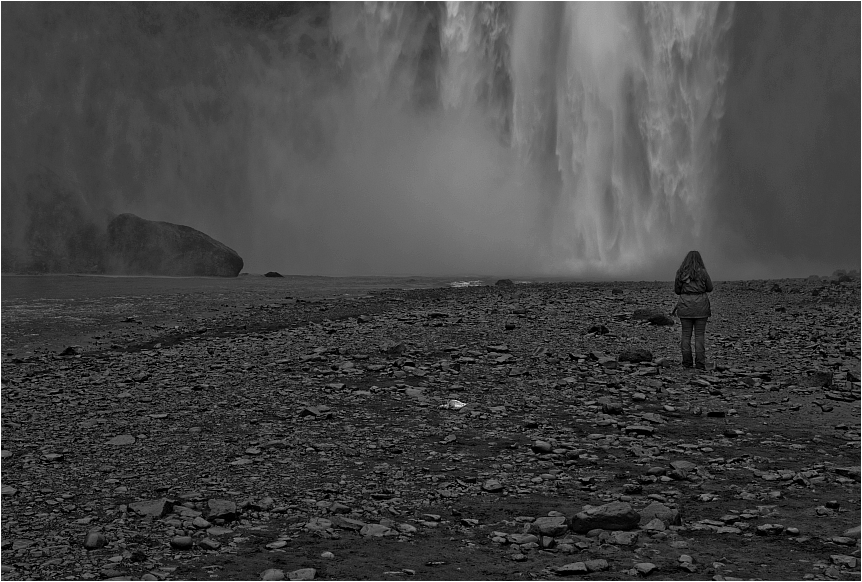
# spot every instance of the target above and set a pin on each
(591, 139)
(615, 107)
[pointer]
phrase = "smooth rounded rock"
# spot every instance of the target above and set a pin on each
(302, 574)
(272, 574)
(95, 540)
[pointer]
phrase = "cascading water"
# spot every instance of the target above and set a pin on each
(613, 107)
(560, 139)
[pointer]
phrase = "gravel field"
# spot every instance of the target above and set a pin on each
(398, 429)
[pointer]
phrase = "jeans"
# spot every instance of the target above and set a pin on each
(699, 327)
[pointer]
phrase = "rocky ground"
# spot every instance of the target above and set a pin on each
(246, 436)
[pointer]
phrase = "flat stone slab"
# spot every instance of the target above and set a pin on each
(573, 569)
(155, 507)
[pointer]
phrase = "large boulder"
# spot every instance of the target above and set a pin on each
(146, 247)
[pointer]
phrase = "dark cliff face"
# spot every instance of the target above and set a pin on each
(48, 225)
(788, 152)
(145, 247)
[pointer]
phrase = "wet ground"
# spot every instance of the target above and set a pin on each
(240, 429)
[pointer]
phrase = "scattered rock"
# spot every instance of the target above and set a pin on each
(656, 510)
(95, 540)
(155, 508)
(611, 516)
(273, 274)
(492, 486)
(598, 565)
(573, 569)
(549, 526)
(374, 530)
(272, 574)
(645, 568)
(221, 509)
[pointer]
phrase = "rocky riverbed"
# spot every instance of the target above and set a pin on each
(540, 430)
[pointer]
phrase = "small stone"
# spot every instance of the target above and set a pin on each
(123, 439)
(623, 538)
(519, 557)
(845, 561)
(853, 532)
(609, 407)
(661, 511)
(302, 574)
(221, 509)
(851, 472)
(655, 524)
(209, 544)
(219, 531)
(95, 540)
(182, 542)
(573, 569)
(154, 508)
(272, 574)
(201, 523)
(598, 565)
(492, 486)
(276, 545)
(645, 568)
(327, 555)
(612, 516)
(769, 529)
(542, 447)
(374, 530)
(549, 526)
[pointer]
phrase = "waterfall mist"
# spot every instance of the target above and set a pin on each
(591, 140)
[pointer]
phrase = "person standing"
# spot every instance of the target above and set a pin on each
(692, 284)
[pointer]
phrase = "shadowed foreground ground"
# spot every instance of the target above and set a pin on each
(211, 430)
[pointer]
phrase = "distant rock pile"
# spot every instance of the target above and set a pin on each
(145, 247)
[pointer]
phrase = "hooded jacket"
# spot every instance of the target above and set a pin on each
(693, 299)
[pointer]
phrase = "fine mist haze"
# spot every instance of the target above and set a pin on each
(595, 141)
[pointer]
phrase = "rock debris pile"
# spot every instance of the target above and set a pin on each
(319, 441)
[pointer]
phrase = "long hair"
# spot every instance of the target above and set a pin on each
(692, 267)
